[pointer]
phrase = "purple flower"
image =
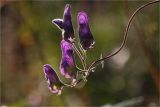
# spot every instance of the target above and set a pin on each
(65, 24)
(54, 83)
(67, 66)
(58, 23)
(85, 35)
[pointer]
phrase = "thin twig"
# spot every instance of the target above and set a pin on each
(84, 55)
(125, 34)
(80, 56)
(83, 51)
(154, 69)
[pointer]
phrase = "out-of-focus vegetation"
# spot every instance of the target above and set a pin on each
(29, 40)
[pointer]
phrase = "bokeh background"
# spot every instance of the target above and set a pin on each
(29, 40)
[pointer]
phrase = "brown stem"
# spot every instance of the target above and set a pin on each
(125, 34)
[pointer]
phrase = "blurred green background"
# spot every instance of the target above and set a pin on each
(29, 40)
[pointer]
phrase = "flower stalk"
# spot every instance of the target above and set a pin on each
(125, 35)
(68, 68)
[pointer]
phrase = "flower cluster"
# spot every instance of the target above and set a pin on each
(68, 66)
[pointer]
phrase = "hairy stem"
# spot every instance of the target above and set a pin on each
(79, 54)
(83, 51)
(125, 35)
(84, 55)
(81, 70)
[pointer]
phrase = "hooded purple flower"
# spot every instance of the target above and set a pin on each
(85, 35)
(67, 66)
(65, 24)
(54, 83)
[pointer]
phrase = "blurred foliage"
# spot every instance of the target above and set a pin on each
(29, 40)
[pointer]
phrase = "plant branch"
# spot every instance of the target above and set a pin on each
(125, 34)
(79, 54)
(84, 55)
(154, 69)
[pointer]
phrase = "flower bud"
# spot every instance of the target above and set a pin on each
(65, 24)
(85, 35)
(67, 66)
(54, 83)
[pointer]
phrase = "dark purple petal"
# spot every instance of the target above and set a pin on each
(54, 83)
(68, 27)
(65, 24)
(67, 66)
(58, 23)
(85, 35)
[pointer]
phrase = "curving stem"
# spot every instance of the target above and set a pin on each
(125, 35)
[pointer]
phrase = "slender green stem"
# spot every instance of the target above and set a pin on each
(84, 55)
(79, 55)
(64, 84)
(81, 69)
(68, 85)
(80, 47)
(83, 51)
(78, 68)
